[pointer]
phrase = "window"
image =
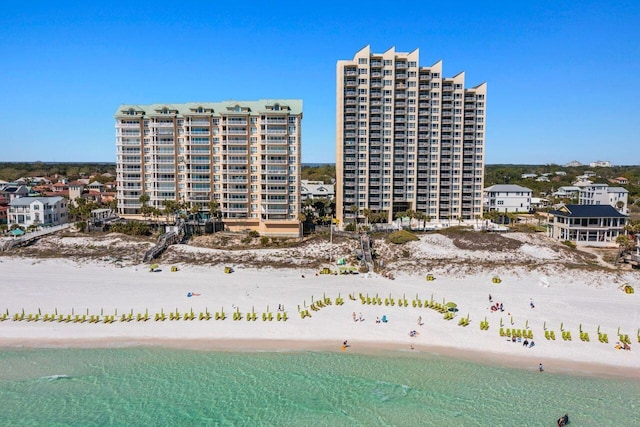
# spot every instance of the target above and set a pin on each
(362, 61)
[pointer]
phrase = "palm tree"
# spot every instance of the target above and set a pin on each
(354, 210)
(302, 217)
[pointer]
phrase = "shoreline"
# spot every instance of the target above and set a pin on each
(369, 348)
(574, 302)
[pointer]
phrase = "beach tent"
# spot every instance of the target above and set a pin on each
(451, 306)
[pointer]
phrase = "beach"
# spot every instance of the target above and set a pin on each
(540, 299)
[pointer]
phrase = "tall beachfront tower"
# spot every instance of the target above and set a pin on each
(407, 138)
(244, 155)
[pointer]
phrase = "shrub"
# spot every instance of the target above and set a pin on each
(246, 240)
(253, 234)
(569, 244)
(131, 228)
(264, 241)
(350, 227)
(401, 237)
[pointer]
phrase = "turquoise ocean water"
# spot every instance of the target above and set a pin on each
(154, 386)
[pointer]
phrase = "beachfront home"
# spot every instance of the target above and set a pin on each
(593, 225)
(507, 198)
(27, 211)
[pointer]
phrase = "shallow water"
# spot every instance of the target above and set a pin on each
(142, 386)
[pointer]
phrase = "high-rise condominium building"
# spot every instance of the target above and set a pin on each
(244, 155)
(407, 138)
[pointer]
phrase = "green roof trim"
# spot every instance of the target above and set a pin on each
(216, 109)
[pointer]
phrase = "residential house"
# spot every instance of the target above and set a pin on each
(600, 164)
(507, 198)
(97, 186)
(59, 187)
(621, 180)
(316, 190)
(528, 175)
(561, 173)
(567, 192)
(537, 203)
(4, 207)
(13, 190)
(27, 211)
(602, 194)
(593, 225)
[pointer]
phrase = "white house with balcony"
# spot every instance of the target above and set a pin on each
(602, 194)
(567, 192)
(38, 211)
(316, 190)
(507, 198)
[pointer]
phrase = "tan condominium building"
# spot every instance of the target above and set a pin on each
(407, 138)
(244, 155)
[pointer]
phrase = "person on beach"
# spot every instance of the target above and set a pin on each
(540, 368)
(531, 303)
(525, 343)
(354, 317)
(531, 344)
(419, 320)
(490, 299)
(360, 318)
(377, 320)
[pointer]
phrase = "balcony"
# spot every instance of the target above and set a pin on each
(274, 171)
(274, 132)
(161, 125)
(236, 141)
(236, 122)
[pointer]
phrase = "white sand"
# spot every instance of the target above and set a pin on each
(573, 298)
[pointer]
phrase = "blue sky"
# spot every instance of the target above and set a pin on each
(562, 75)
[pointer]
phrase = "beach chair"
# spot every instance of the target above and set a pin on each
(502, 333)
(284, 316)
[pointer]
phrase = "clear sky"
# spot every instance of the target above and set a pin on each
(562, 75)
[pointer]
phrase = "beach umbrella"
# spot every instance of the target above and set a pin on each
(452, 306)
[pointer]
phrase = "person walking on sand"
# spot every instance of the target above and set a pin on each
(419, 320)
(490, 299)
(540, 368)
